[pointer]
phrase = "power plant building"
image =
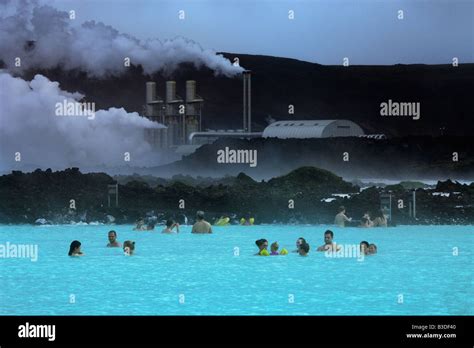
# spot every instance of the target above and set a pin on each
(312, 129)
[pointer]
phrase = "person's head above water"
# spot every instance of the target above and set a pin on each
(74, 248)
(364, 246)
(112, 236)
(341, 209)
(129, 247)
(262, 244)
(200, 215)
(303, 249)
(372, 249)
(299, 241)
(169, 223)
(328, 236)
(274, 246)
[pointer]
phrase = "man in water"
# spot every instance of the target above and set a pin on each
(341, 218)
(201, 225)
(113, 243)
(329, 245)
(372, 249)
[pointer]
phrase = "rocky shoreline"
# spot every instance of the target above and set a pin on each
(306, 195)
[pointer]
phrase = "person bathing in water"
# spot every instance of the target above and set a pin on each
(170, 225)
(128, 247)
(303, 250)
(262, 245)
(113, 243)
(364, 247)
(341, 218)
(274, 249)
(329, 245)
(201, 225)
(298, 243)
(140, 225)
(380, 220)
(75, 249)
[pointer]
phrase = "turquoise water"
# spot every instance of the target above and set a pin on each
(205, 274)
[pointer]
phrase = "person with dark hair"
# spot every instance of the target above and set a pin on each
(341, 218)
(365, 222)
(170, 225)
(262, 245)
(298, 243)
(113, 243)
(75, 249)
(364, 247)
(380, 220)
(372, 249)
(303, 250)
(140, 225)
(201, 225)
(129, 247)
(329, 245)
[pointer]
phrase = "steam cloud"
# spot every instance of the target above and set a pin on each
(29, 125)
(43, 37)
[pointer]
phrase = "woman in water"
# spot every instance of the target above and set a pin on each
(170, 224)
(380, 220)
(299, 241)
(75, 249)
(262, 245)
(303, 250)
(128, 247)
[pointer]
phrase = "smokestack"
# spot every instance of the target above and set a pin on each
(247, 114)
(170, 91)
(150, 97)
(190, 90)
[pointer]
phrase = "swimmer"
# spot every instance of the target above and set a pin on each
(298, 243)
(380, 220)
(365, 222)
(170, 225)
(372, 249)
(328, 242)
(303, 249)
(364, 247)
(140, 225)
(262, 245)
(75, 249)
(274, 249)
(201, 225)
(341, 218)
(128, 247)
(150, 226)
(113, 243)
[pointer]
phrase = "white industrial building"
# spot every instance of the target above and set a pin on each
(312, 129)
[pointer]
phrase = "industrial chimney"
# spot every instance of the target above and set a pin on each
(247, 113)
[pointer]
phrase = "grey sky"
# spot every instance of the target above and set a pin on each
(368, 32)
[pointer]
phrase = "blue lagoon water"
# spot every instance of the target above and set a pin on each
(414, 273)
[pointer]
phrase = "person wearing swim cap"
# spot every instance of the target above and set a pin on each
(201, 225)
(262, 245)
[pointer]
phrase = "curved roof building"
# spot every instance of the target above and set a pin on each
(312, 129)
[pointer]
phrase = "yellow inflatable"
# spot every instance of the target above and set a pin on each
(264, 252)
(222, 222)
(284, 252)
(243, 221)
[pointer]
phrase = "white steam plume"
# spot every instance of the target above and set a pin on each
(29, 126)
(95, 48)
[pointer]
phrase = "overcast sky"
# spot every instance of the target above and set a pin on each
(323, 31)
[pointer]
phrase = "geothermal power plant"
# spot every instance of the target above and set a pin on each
(182, 133)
